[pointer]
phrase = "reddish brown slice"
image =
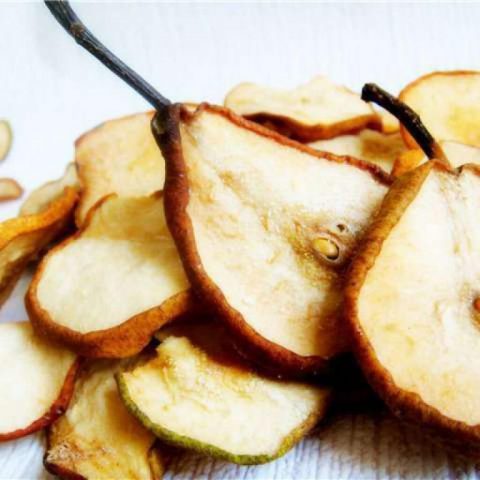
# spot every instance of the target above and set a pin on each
(37, 380)
(265, 227)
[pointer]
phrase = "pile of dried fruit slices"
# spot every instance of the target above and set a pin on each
(217, 279)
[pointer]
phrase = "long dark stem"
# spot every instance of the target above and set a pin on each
(407, 117)
(65, 15)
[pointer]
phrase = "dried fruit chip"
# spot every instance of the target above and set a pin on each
(389, 124)
(22, 238)
(246, 207)
(107, 289)
(410, 300)
(318, 110)
(196, 393)
(9, 189)
(368, 145)
(40, 199)
(448, 104)
(120, 156)
(5, 139)
(37, 380)
(98, 438)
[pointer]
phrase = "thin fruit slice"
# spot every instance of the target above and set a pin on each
(389, 124)
(97, 438)
(9, 189)
(40, 199)
(455, 116)
(412, 299)
(317, 110)
(368, 145)
(457, 153)
(120, 156)
(197, 394)
(22, 238)
(265, 227)
(107, 289)
(5, 138)
(36, 380)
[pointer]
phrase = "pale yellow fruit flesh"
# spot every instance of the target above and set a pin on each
(123, 264)
(369, 145)
(32, 375)
(97, 437)
(40, 198)
(415, 307)
(5, 138)
(9, 189)
(257, 208)
(212, 400)
(318, 102)
(120, 156)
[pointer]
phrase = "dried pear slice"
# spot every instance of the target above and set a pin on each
(98, 438)
(368, 145)
(197, 394)
(107, 289)
(5, 139)
(411, 298)
(265, 227)
(36, 381)
(457, 153)
(455, 115)
(10, 189)
(22, 238)
(317, 110)
(40, 198)
(120, 156)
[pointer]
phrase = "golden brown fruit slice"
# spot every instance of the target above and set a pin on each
(97, 438)
(107, 289)
(40, 198)
(22, 238)
(197, 394)
(9, 189)
(36, 380)
(411, 299)
(120, 156)
(316, 110)
(457, 153)
(265, 227)
(448, 104)
(5, 138)
(368, 145)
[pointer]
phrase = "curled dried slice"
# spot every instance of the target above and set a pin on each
(457, 153)
(317, 110)
(37, 380)
(197, 394)
(265, 227)
(22, 238)
(9, 189)
(456, 114)
(98, 438)
(120, 156)
(107, 289)
(40, 199)
(412, 296)
(5, 138)
(368, 145)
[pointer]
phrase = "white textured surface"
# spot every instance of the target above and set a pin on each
(51, 91)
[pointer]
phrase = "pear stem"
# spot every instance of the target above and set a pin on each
(69, 20)
(408, 118)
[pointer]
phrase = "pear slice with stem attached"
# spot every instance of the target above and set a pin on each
(36, 380)
(97, 438)
(265, 227)
(119, 156)
(448, 104)
(107, 289)
(198, 394)
(317, 110)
